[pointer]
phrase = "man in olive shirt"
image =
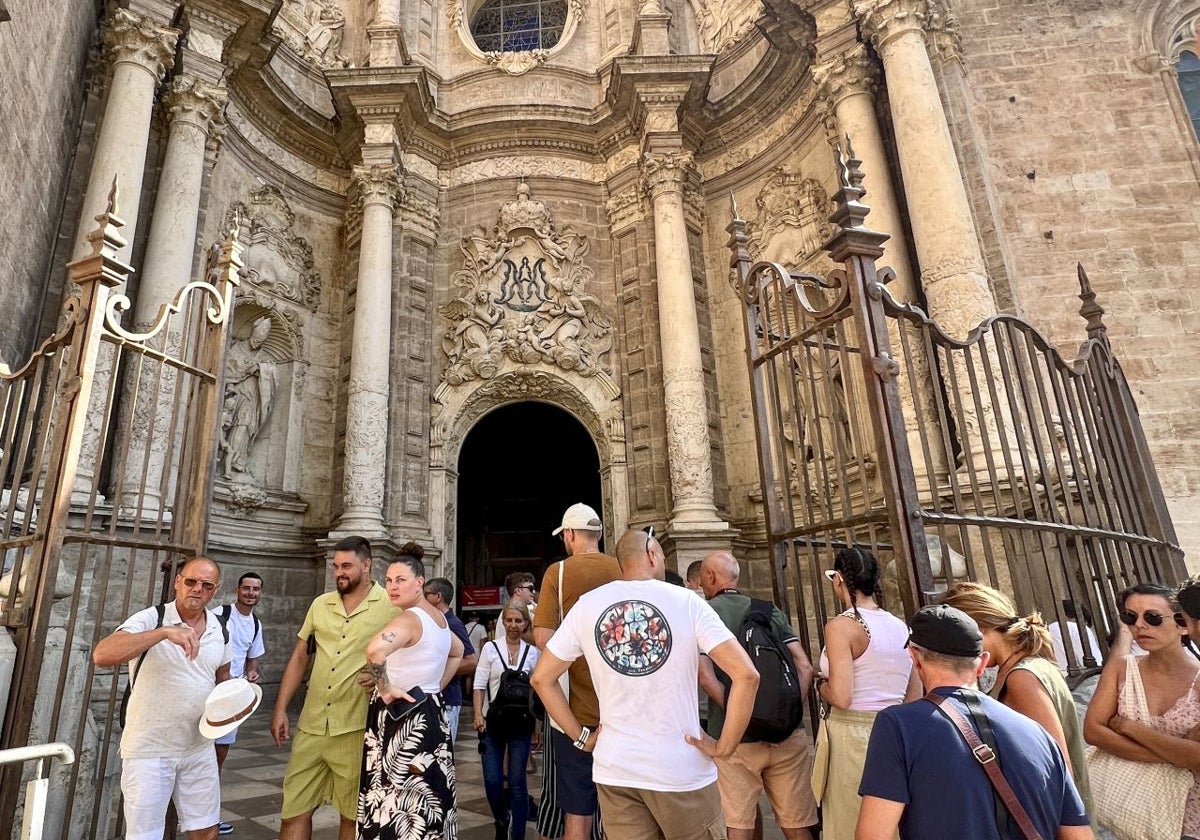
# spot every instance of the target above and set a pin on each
(327, 747)
(569, 768)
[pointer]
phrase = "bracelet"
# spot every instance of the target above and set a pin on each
(582, 740)
(820, 681)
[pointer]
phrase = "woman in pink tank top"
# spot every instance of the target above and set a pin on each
(864, 668)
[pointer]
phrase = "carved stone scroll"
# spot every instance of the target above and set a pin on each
(278, 261)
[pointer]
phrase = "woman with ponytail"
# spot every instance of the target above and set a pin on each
(1028, 679)
(864, 669)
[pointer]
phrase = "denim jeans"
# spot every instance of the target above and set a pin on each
(491, 755)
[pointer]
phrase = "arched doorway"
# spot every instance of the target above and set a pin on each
(519, 468)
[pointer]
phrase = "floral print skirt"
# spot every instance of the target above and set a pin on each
(407, 787)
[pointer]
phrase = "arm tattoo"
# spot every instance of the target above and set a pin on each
(378, 672)
(388, 637)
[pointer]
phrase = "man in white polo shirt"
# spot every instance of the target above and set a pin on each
(642, 639)
(162, 751)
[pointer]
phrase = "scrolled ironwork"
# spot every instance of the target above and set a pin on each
(217, 312)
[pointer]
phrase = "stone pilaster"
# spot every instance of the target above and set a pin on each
(140, 52)
(377, 190)
(385, 37)
(665, 176)
(953, 273)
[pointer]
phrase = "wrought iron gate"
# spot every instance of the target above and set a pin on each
(108, 443)
(990, 459)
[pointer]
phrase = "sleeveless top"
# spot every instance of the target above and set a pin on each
(1178, 721)
(424, 663)
(881, 672)
(1052, 681)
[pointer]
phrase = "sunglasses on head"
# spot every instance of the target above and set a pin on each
(649, 529)
(1152, 617)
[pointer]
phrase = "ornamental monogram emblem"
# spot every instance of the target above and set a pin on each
(521, 297)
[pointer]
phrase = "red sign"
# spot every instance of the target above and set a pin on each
(480, 596)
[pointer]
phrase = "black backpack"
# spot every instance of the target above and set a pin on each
(510, 711)
(778, 706)
(161, 611)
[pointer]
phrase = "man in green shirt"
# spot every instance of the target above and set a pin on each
(327, 745)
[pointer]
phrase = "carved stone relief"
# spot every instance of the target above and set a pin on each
(315, 29)
(278, 262)
(521, 297)
(792, 223)
(722, 23)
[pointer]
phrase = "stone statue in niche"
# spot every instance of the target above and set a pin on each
(251, 379)
(521, 296)
(326, 29)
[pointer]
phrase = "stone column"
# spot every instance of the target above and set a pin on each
(378, 189)
(141, 52)
(953, 273)
(847, 82)
(385, 36)
(665, 176)
(191, 106)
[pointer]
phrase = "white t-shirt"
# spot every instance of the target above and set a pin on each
(1060, 650)
(492, 665)
(169, 689)
(244, 643)
(477, 633)
(642, 641)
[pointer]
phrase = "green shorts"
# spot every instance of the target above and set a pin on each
(323, 768)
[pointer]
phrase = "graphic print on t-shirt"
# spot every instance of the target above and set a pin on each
(633, 637)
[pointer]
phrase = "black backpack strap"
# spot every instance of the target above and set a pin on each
(503, 664)
(762, 610)
(524, 653)
(161, 611)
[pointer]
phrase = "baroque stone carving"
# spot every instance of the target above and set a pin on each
(518, 62)
(883, 20)
(626, 209)
(131, 37)
(278, 262)
(315, 29)
(792, 223)
(521, 295)
(251, 380)
(722, 23)
(666, 172)
(195, 101)
(846, 74)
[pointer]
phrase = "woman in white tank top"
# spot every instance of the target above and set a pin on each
(864, 668)
(407, 756)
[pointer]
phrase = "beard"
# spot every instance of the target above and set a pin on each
(347, 584)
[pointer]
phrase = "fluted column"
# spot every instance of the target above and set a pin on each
(191, 106)
(141, 52)
(688, 445)
(377, 188)
(953, 273)
(848, 82)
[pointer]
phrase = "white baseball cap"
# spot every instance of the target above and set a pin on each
(227, 707)
(579, 517)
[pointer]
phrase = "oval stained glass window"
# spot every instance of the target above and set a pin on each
(502, 26)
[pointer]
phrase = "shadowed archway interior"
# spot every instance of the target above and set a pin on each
(520, 467)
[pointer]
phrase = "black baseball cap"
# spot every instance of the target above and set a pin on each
(1189, 597)
(947, 630)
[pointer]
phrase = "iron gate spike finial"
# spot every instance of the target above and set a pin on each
(114, 195)
(733, 206)
(1090, 310)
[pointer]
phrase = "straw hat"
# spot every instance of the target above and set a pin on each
(228, 705)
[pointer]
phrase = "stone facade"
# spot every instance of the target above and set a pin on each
(434, 231)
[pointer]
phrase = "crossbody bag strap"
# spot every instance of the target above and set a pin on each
(987, 757)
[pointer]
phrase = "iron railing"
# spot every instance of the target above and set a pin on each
(989, 458)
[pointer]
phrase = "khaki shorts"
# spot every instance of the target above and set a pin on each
(323, 768)
(783, 770)
(635, 814)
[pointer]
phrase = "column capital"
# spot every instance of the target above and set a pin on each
(884, 20)
(418, 216)
(196, 102)
(377, 184)
(846, 74)
(133, 39)
(666, 172)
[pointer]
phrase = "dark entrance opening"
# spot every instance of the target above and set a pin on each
(520, 467)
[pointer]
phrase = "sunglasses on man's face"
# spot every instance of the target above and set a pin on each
(191, 583)
(1152, 617)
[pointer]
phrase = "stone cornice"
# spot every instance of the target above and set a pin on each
(133, 39)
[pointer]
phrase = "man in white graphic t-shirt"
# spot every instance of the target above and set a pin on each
(642, 639)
